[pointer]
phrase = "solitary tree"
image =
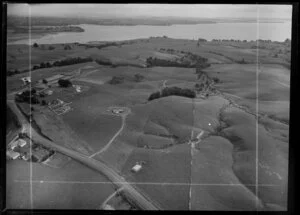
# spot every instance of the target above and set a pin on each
(216, 80)
(138, 77)
(116, 80)
(45, 81)
(44, 102)
(35, 45)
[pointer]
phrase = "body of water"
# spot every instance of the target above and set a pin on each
(241, 31)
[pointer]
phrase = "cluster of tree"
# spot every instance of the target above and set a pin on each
(138, 77)
(196, 62)
(103, 61)
(216, 80)
(117, 80)
(64, 83)
(100, 46)
(191, 60)
(241, 61)
(165, 63)
(51, 47)
(264, 41)
(201, 40)
(231, 40)
(28, 96)
(70, 61)
(64, 62)
(199, 87)
(12, 72)
(169, 50)
(173, 91)
(67, 47)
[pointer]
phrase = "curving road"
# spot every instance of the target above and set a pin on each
(136, 196)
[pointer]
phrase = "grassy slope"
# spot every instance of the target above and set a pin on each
(272, 157)
(45, 195)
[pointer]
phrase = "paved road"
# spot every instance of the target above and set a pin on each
(136, 196)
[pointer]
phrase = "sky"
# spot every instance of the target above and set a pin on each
(159, 10)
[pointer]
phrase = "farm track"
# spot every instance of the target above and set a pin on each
(113, 138)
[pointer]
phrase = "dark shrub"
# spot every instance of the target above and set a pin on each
(216, 80)
(51, 47)
(44, 103)
(153, 96)
(35, 67)
(64, 83)
(138, 77)
(67, 47)
(117, 80)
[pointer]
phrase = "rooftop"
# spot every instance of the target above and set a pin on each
(55, 77)
(12, 154)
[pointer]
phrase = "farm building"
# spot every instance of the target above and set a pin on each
(21, 142)
(26, 80)
(137, 167)
(118, 111)
(77, 88)
(14, 144)
(54, 78)
(13, 155)
(108, 207)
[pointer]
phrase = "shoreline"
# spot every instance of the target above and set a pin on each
(101, 42)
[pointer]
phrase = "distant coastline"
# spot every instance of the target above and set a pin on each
(84, 33)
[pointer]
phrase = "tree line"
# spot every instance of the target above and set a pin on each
(173, 91)
(64, 62)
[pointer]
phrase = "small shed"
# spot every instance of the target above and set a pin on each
(118, 111)
(77, 88)
(137, 167)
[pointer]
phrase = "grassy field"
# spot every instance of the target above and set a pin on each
(240, 84)
(272, 157)
(170, 166)
(97, 130)
(56, 182)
